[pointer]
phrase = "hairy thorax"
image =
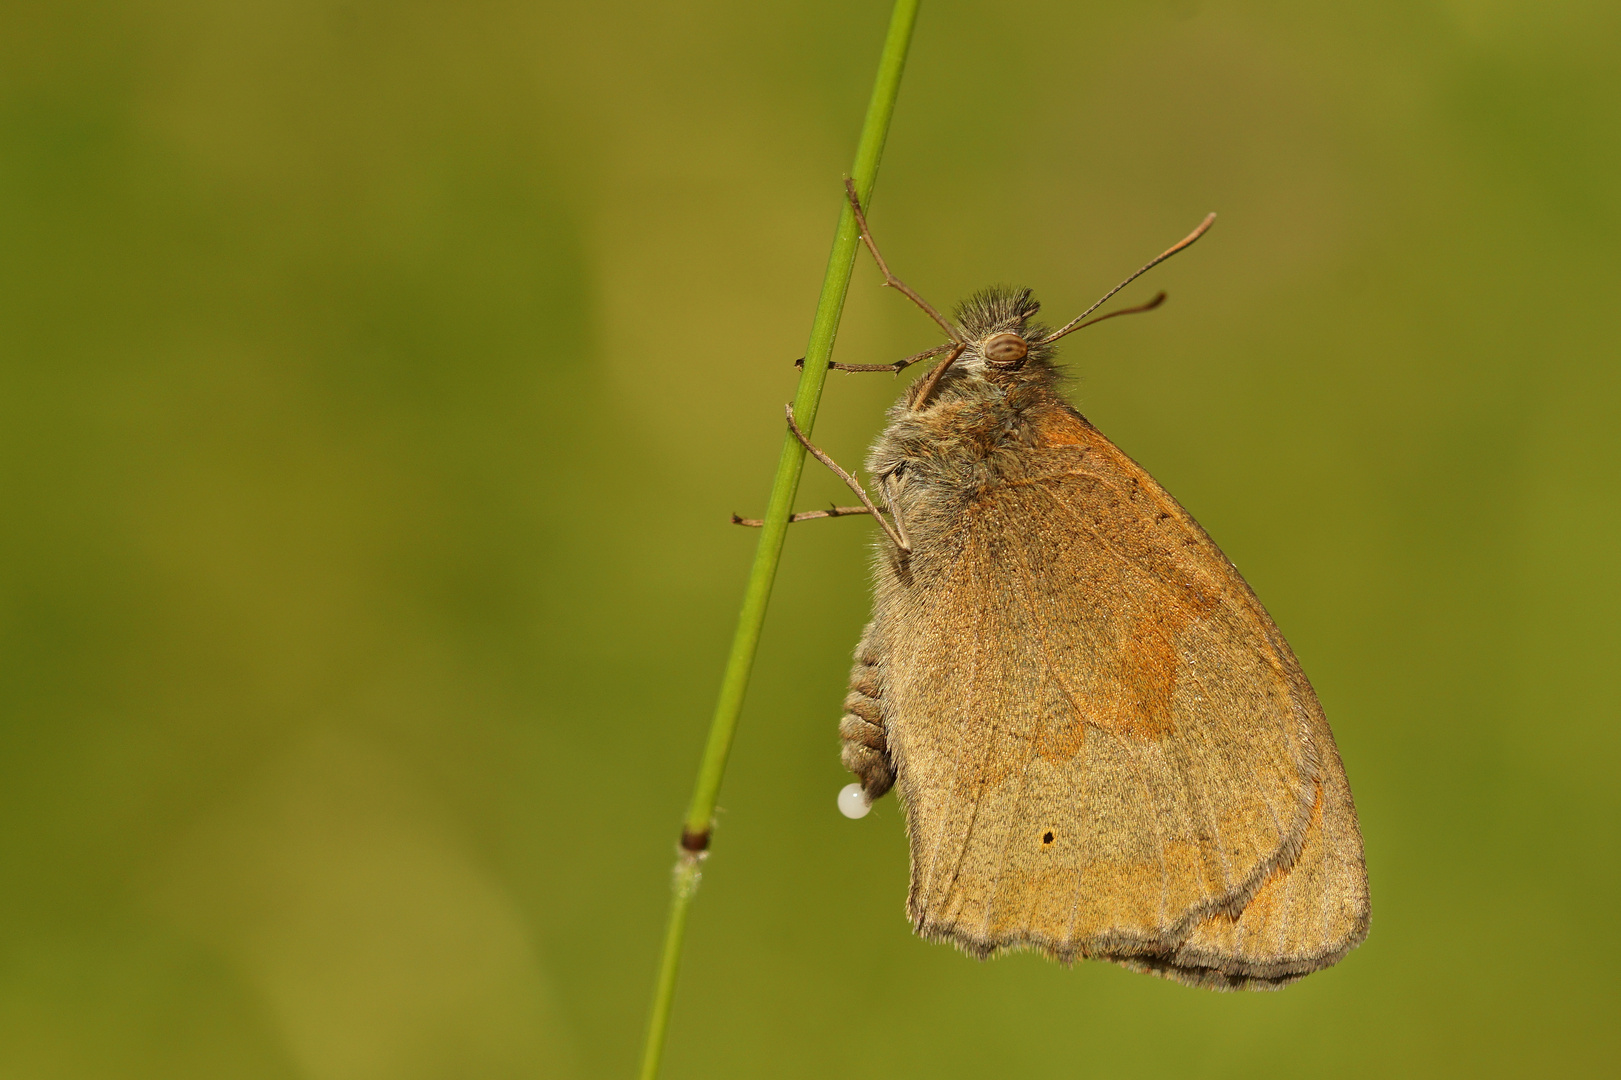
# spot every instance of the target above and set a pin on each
(976, 435)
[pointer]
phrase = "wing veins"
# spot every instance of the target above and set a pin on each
(1044, 485)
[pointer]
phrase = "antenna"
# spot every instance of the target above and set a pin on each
(1076, 323)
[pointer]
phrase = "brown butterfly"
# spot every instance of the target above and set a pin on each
(1104, 747)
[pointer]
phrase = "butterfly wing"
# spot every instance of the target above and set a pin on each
(1105, 747)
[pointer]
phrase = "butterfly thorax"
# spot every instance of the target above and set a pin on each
(981, 420)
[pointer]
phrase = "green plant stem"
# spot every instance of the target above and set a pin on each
(695, 831)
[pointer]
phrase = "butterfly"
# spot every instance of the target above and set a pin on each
(1104, 747)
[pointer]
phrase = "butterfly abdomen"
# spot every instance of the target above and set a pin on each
(866, 747)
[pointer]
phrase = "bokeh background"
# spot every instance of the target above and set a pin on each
(376, 381)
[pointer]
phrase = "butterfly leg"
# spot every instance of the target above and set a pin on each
(890, 279)
(866, 746)
(855, 485)
(806, 515)
(895, 368)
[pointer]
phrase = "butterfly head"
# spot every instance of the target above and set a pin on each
(996, 323)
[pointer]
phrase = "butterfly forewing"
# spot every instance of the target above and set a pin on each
(1104, 746)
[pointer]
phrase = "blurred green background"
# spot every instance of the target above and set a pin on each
(375, 384)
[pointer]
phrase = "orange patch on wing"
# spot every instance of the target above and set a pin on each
(1137, 702)
(1149, 676)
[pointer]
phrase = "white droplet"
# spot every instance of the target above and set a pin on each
(853, 801)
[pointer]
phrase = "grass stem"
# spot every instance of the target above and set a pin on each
(840, 263)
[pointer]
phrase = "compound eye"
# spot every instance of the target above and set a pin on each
(1005, 350)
